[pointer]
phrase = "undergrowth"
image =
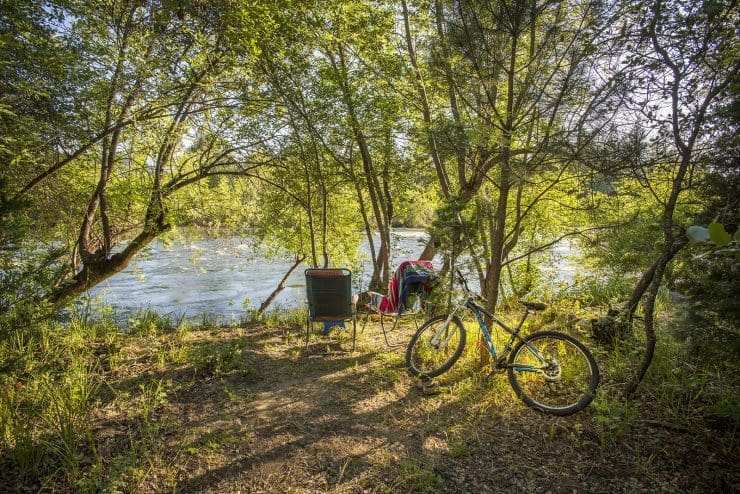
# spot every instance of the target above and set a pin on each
(59, 376)
(60, 379)
(691, 385)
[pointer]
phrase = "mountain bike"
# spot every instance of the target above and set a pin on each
(550, 371)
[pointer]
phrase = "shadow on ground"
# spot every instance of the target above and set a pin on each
(246, 410)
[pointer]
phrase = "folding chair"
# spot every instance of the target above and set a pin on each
(411, 278)
(329, 294)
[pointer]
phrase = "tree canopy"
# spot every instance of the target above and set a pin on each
(502, 127)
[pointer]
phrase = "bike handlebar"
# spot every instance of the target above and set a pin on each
(532, 306)
(468, 291)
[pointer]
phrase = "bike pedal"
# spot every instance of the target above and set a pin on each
(497, 368)
(428, 387)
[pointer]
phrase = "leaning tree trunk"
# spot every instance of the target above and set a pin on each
(380, 208)
(98, 270)
(646, 280)
(671, 246)
(650, 338)
(650, 294)
(281, 286)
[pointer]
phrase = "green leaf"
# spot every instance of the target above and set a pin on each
(718, 234)
(737, 235)
(697, 234)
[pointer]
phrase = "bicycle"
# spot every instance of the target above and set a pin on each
(550, 371)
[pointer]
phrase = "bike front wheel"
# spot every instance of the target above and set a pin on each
(435, 348)
(553, 372)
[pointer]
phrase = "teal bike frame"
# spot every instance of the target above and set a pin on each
(479, 312)
(535, 354)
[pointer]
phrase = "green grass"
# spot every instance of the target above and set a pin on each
(45, 412)
(64, 385)
(415, 476)
(219, 357)
(684, 388)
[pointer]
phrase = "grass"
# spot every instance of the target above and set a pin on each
(86, 407)
(415, 476)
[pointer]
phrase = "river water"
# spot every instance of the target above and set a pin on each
(224, 278)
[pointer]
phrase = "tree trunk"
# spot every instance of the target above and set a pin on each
(648, 276)
(650, 338)
(430, 250)
(280, 287)
(100, 270)
(454, 108)
(425, 110)
(498, 233)
(378, 201)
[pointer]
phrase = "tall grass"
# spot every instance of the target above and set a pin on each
(692, 383)
(689, 386)
(56, 378)
(56, 373)
(49, 385)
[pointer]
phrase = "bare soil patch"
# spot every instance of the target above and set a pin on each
(245, 410)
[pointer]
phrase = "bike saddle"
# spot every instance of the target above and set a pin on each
(533, 305)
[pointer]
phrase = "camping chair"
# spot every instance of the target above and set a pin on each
(411, 278)
(329, 293)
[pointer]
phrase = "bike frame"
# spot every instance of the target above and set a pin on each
(478, 311)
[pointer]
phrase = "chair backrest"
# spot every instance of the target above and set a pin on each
(329, 293)
(413, 277)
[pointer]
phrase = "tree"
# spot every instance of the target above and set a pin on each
(683, 61)
(357, 37)
(517, 103)
(35, 103)
(310, 178)
(334, 88)
(161, 110)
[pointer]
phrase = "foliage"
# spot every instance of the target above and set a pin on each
(709, 280)
(504, 128)
(716, 236)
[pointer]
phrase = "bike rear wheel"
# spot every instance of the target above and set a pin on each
(426, 357)
(553, 372)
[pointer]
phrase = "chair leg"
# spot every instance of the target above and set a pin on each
(354, 333)
(308, 329)
(364, 322)
(385, 335)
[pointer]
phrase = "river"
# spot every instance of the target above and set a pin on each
(224, 278)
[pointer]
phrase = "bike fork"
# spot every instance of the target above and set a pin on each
(435, 341)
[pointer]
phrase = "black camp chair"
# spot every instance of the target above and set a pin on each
(329, 293)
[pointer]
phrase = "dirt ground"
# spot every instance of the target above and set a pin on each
(279, 420)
